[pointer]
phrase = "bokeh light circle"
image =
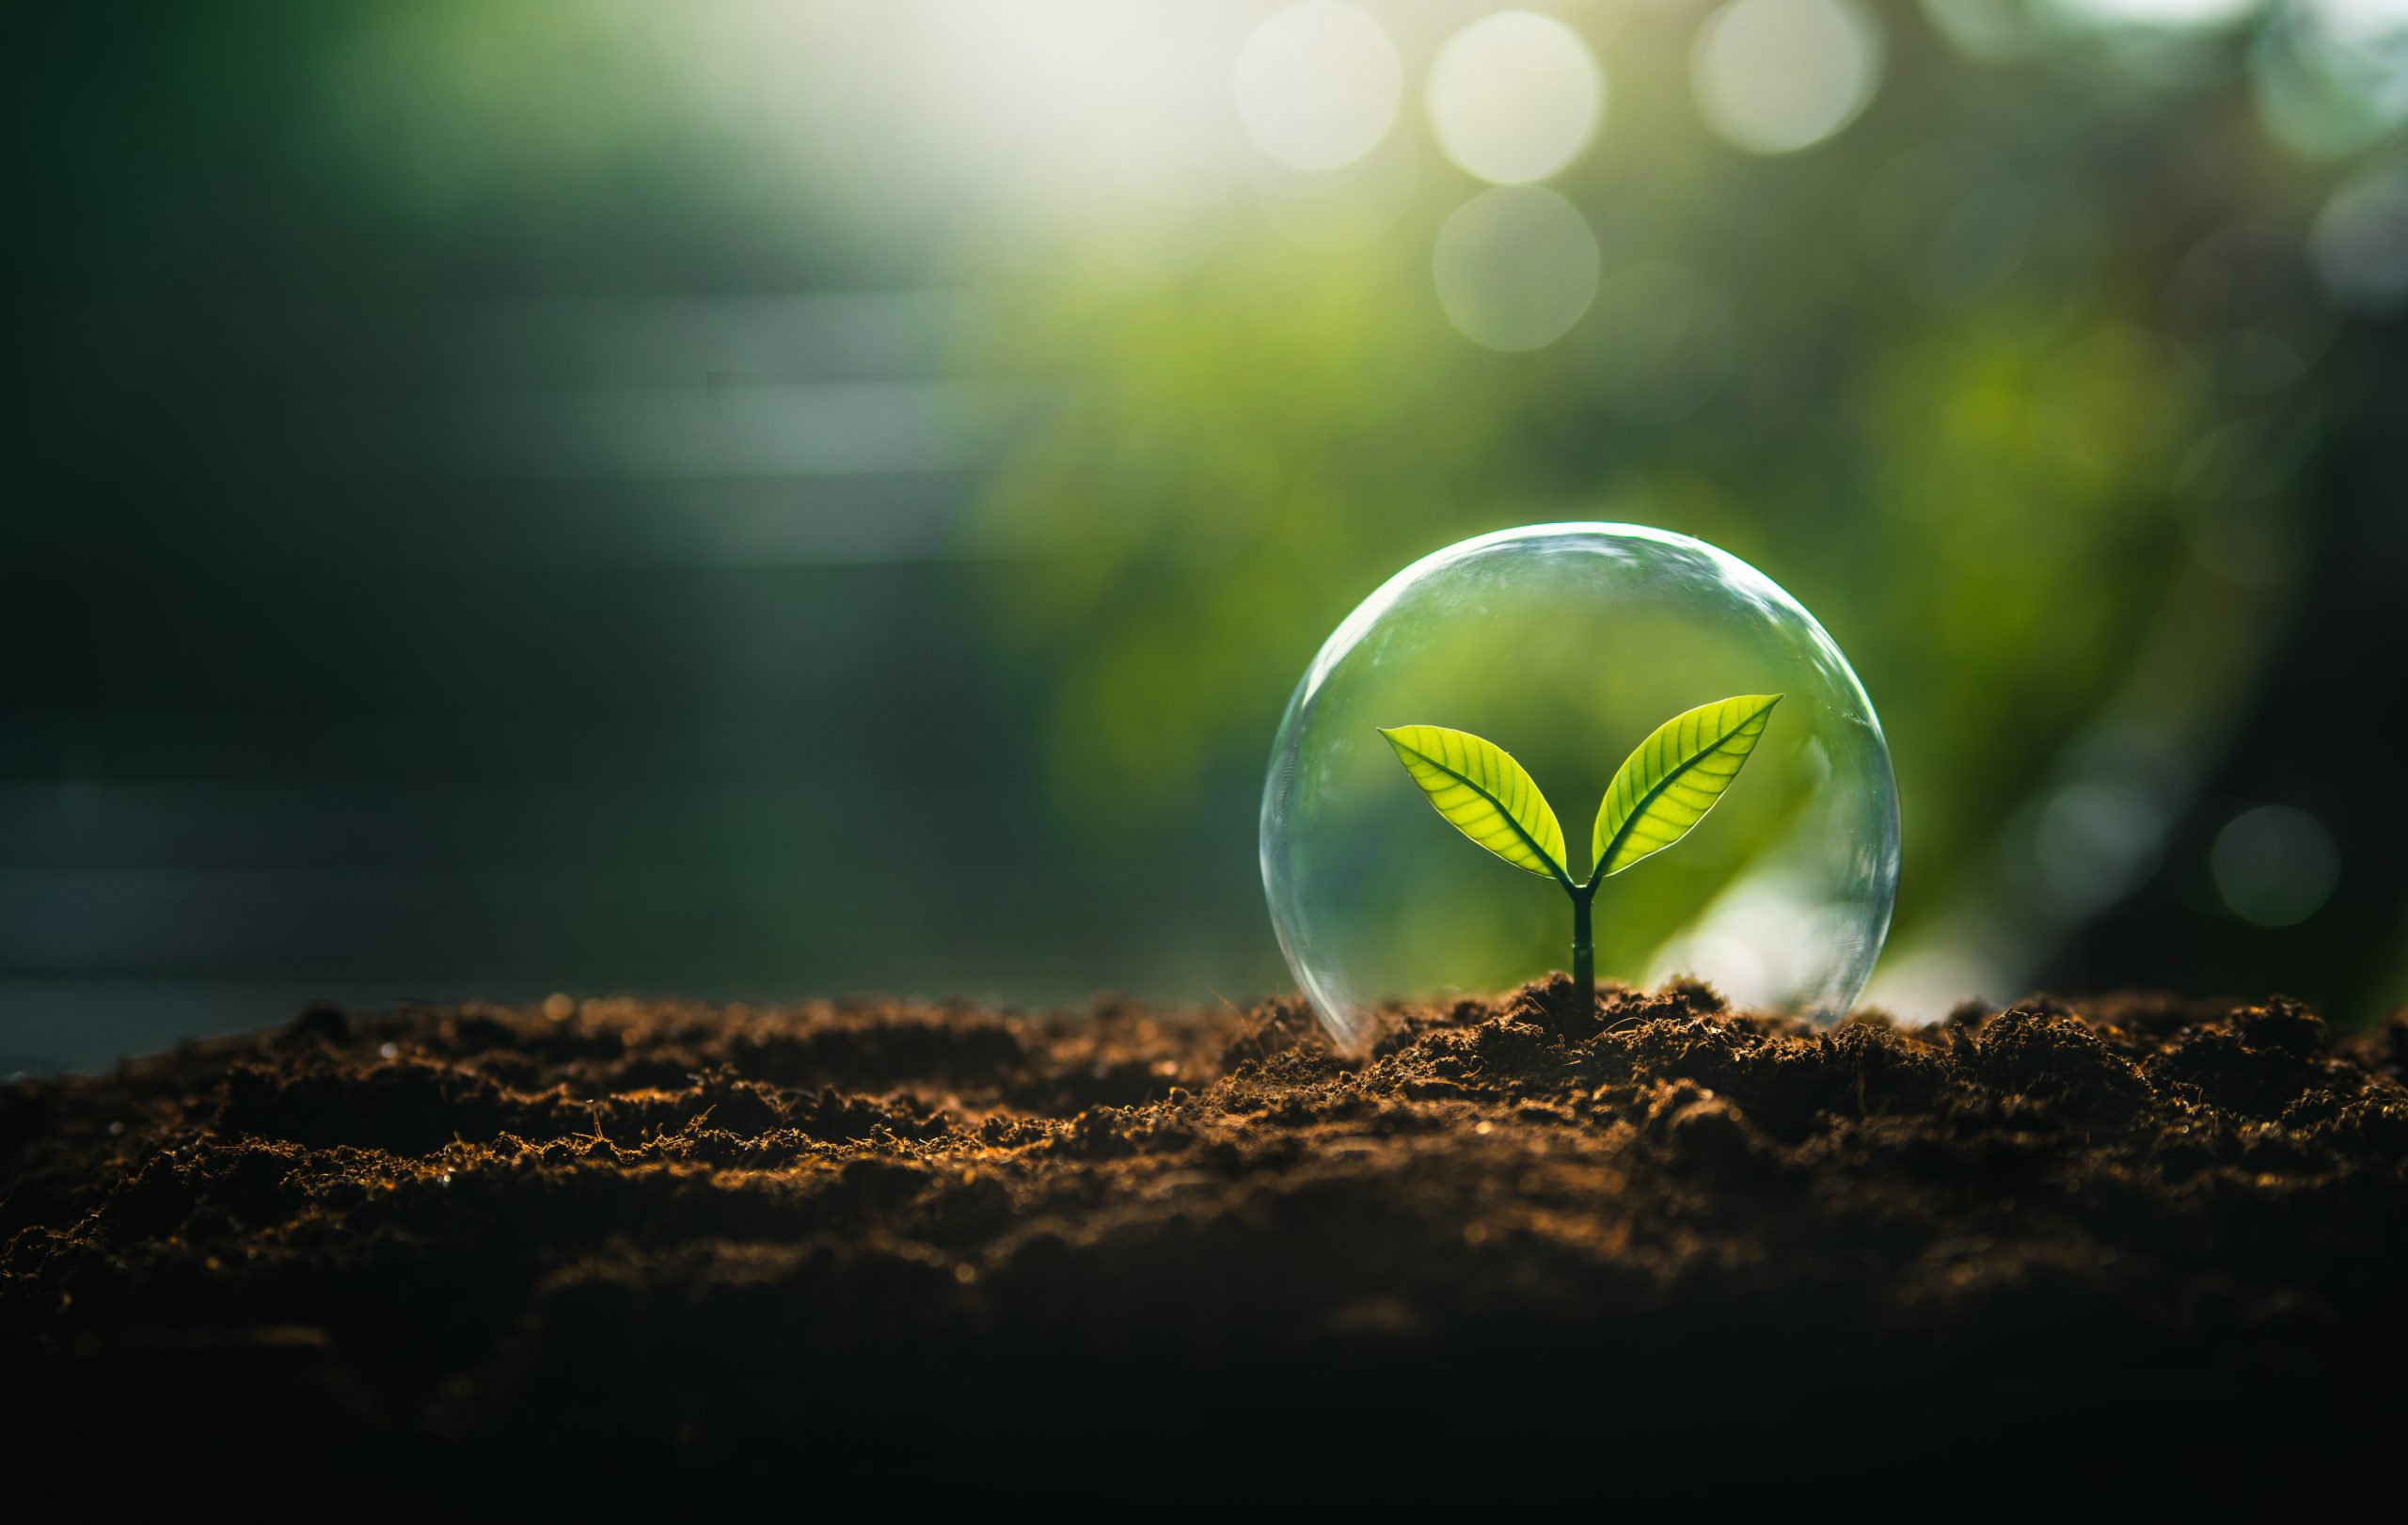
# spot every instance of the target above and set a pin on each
(1515, 267)
(1774, 76)
(2121, 400)
(1947, 221)
(2360, 241)
(2245, 300)
(1516, 97)
(1318, 84)
(1566, 645)
(2275, 865)
(2330, 77)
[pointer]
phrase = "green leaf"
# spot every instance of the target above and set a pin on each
(1665, 786)
(1483, 793)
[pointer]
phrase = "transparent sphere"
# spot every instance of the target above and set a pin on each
(1567, 645)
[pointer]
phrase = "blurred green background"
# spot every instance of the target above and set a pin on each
(762, 499)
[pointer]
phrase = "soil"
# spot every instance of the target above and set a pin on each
(2140, 1245)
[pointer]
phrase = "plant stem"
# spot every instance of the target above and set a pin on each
(1584, 950)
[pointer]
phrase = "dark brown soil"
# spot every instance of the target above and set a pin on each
(2144, 1244)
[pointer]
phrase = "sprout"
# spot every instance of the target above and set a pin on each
(1662, 790)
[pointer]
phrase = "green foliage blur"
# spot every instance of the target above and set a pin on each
(764, 499)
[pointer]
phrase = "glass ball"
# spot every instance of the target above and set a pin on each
(1567, 645)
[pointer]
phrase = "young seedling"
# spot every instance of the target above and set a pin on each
(1663, 789)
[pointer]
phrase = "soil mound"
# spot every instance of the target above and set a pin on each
(2138, 1241)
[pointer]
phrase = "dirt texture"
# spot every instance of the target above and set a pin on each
(1653, 1250)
